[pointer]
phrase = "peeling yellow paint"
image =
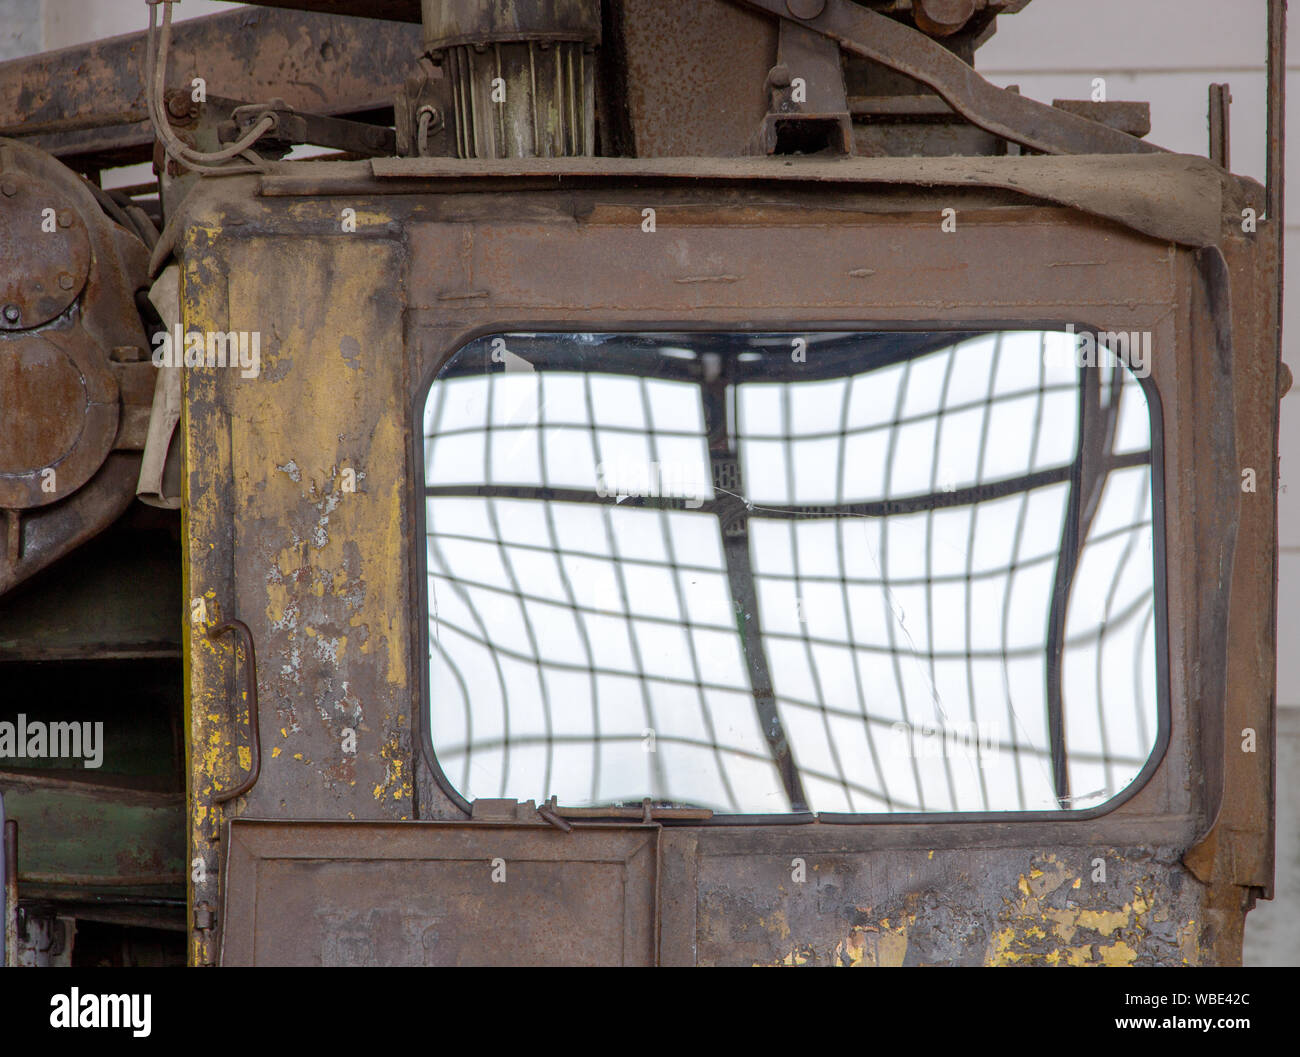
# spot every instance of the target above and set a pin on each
(1119, 953)
(1105, 921)
(394, 786)
(1027, 918)
(795, 957)
(869, 947)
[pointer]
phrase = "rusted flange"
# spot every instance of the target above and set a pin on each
(44, 252)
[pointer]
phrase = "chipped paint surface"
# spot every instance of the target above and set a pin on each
(317, 571)
(926, 909)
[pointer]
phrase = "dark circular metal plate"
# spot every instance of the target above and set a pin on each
(44, 252)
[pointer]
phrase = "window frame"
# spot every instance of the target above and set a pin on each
(419, 565)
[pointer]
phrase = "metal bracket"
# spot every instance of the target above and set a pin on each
(420, 113)
(292, 126)
(1003, 113)
(808, 104)
(205, 917)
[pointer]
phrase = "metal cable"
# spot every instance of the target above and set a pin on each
(206, 162)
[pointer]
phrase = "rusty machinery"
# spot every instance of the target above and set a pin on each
(728, 174)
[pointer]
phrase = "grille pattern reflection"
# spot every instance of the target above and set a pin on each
(837, 585)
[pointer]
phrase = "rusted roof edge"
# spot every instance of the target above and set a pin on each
(1178, 198)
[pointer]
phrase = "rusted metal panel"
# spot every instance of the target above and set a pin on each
(678, 897)
(970, 906)
(438, 894)
(85, 836)
(682, 98)
(717, 265)
(308, 565)
(1240, 845)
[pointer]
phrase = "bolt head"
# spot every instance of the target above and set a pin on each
(11, 313)
(65, 218)
(65, 281)
(942, 17)
(9, 187)
(805, 8)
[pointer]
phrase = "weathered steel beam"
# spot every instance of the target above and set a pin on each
(389, 10)
(90, 99)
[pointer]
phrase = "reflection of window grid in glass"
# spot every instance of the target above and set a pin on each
(599, 572)
(870, 619)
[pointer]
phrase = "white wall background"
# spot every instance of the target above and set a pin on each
(1164, 51)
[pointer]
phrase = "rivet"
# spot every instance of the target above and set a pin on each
(11, 313)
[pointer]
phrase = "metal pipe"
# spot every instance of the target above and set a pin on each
(1276, 116)
(9, 867)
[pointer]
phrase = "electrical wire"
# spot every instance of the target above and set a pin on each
(206, 162)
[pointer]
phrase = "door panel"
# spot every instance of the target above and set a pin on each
(304, 893)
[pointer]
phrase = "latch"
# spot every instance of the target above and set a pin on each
(562, 818)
